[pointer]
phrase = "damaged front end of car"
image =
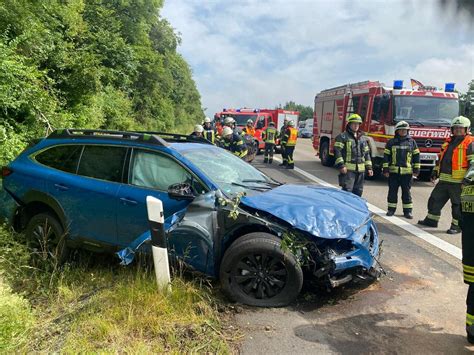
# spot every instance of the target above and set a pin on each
(330, 231)
(335, 262)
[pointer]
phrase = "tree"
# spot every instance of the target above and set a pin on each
(306, 112)
(95, 64)
(467, 102)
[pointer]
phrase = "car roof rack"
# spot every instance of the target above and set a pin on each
(147, 137)
(174, 137)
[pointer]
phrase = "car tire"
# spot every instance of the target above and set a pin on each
(326, 158)
(255, 271)
(47, 237)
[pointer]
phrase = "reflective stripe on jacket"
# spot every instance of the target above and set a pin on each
(269, 135)
(352, 152)
(290, 137)
(462, 155)
(401, 156)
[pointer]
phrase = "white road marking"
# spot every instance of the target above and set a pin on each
(410, 228)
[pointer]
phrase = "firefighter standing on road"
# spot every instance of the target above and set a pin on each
(248, 129)
(352, 155)
(401, 163)
(269, 137)
(233, 142)
(282, 146)
(467, 226)
(456, 154)
(289, 141)
(209, 131)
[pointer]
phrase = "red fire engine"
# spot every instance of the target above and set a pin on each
(429, 112)
(260, 117)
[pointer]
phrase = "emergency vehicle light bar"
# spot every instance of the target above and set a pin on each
(449, 87)
(398, 84)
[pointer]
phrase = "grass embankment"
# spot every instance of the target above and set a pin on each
(93, 305)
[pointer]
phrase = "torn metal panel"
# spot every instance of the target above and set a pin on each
(190, 235)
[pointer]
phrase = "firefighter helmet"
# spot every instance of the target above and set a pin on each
(198, 128)
(291, 123)
(207, 120)
(249, 122)
(227, 131)
(354, 118)
(229, 120)
(272, 123)
(461, 121)
(402, 125)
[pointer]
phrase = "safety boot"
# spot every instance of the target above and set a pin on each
(428, 222)
(408, 215)
(470, 333)
(390, 213)
(453, 229)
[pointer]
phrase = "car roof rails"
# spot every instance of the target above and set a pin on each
(146, 137)
(180, 138)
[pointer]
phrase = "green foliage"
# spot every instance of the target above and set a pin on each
(306, 112)
(467, 102)
(95, 64)
(93, 305)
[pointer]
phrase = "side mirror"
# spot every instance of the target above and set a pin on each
(181, 191)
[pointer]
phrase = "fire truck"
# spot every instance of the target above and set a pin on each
(260, 117)
(428, 110)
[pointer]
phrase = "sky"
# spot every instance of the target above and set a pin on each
(262, 53)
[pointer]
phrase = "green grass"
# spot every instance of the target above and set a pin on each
(94, 305)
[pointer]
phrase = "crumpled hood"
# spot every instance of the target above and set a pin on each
(322, 211)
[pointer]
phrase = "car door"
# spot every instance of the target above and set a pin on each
(89, 198)
(150, 174)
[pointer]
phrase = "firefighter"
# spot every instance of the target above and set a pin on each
(456, 154)
(289, 141)
(467, 226)
(248, 129)
(269, 137)
(282, 146)
(233, 142)
(352, 155)
(401, 163)
(209, 131)
(230, 122)
(198, 131)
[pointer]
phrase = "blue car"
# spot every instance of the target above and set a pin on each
(88, 189)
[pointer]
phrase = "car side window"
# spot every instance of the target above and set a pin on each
(63, 157)
(102, 162)
(156, 171)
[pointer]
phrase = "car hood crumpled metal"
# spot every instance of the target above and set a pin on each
(324, 212)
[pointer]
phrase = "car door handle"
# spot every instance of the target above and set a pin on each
(61, 187)
(127, 201)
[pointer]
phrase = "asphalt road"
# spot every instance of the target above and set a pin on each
(417, 308)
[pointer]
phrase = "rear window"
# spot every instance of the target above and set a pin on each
(64, 157)
(103, 162)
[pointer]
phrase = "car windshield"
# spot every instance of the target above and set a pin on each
(230, 173)
(241, 119)
(425, 110)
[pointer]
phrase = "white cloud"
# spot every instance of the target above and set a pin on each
(258, 53)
